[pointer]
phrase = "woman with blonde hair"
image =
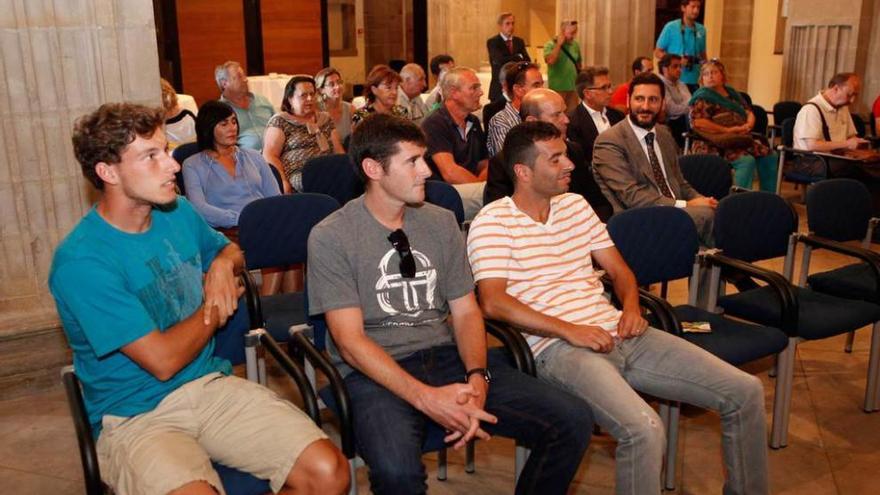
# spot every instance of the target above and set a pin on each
(330, 86)
(180, 124)
(723, 122)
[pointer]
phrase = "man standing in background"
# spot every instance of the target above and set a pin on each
(563, 57)
(686, 38)
(503, 48)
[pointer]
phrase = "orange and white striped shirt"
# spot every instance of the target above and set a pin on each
(547, 266)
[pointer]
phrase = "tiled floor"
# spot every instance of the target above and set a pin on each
(834, 448)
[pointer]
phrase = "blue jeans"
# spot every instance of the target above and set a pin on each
(555, 425)
(667, 367)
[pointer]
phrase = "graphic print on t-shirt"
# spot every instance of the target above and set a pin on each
(409, 296)
(176, 290)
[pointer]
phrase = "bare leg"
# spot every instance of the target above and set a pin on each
(195, 488)
(320, 469)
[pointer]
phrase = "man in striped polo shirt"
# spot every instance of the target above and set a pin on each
(531, 255)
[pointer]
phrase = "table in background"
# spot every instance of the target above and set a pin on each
(271, 86)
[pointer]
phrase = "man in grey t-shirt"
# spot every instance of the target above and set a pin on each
(391, 276)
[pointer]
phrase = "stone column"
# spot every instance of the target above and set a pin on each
(611, 32)
(60, 59)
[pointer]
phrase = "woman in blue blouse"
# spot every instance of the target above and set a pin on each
(222, 178)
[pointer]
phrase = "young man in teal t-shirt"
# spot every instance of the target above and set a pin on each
(141, 285)
(686, 38)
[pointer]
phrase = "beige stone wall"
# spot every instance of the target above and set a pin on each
(765, 67)
(736, 42)
(59, 61)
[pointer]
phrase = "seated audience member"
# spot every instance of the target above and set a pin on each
(723, 122)
(330, 86)
(677, 97)
(142, 284)
(563, 57)
(636, 161)
(493, 107)
(532, 257)
(222, 178)
(253, 110)
(824, 123)
(503, 48)
(619, 98)
(439, 65)
(456, 144)
(299, 132)
(389, 272)
(519, 81)
(409, 94)
(180, 124)
(380, 92)
(546, 105)
(592, 117)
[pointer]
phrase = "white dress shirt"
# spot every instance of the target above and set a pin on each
(600, 119)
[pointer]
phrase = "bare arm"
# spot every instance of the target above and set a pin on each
(552, 57)
(499, 305)
(659, 53)
(273, 143)
(163, 354)
(454, 173)
(631, 322)
(337, 143)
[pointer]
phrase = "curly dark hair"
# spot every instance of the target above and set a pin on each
(103, 135)
(377, 137)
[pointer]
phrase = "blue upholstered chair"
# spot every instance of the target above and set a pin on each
(180, 154)
(333, 175)
(230, 344)
(660, 244)
(789, 154)
(710, 175)
(839, 210)
(757, 226)
(273, 232)
(442, 194)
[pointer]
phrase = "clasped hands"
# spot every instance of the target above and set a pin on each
(221, 292)
(458, 407)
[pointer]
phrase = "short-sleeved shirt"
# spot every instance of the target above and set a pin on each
(808, 124)
(220, 197)
(547, 265)
(500, 124)
(561, 75)
(180, 129)
(112, 288)
(353, 264)
(252, 121)
(301, 142)
(684, 41)
(445, 136)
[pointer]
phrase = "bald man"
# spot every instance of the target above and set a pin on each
(546, 105)
(409, 95)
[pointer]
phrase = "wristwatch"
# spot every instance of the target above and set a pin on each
(480, 371)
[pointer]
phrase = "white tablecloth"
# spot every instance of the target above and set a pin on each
(271, 86)
(187, 102)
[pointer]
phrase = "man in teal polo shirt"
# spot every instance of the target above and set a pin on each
(686, 38)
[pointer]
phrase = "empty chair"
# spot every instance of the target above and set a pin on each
(756, 226)
(708, 174)
(273, 232)
(333, 175)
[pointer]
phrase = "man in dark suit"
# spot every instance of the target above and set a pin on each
(546, 105)
(636, 161)
(592, 116)
(503, 48)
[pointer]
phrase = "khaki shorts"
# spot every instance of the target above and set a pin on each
(233, 421)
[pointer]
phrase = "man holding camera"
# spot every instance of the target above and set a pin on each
(686, 38)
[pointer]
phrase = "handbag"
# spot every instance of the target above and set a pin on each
(727, 140)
